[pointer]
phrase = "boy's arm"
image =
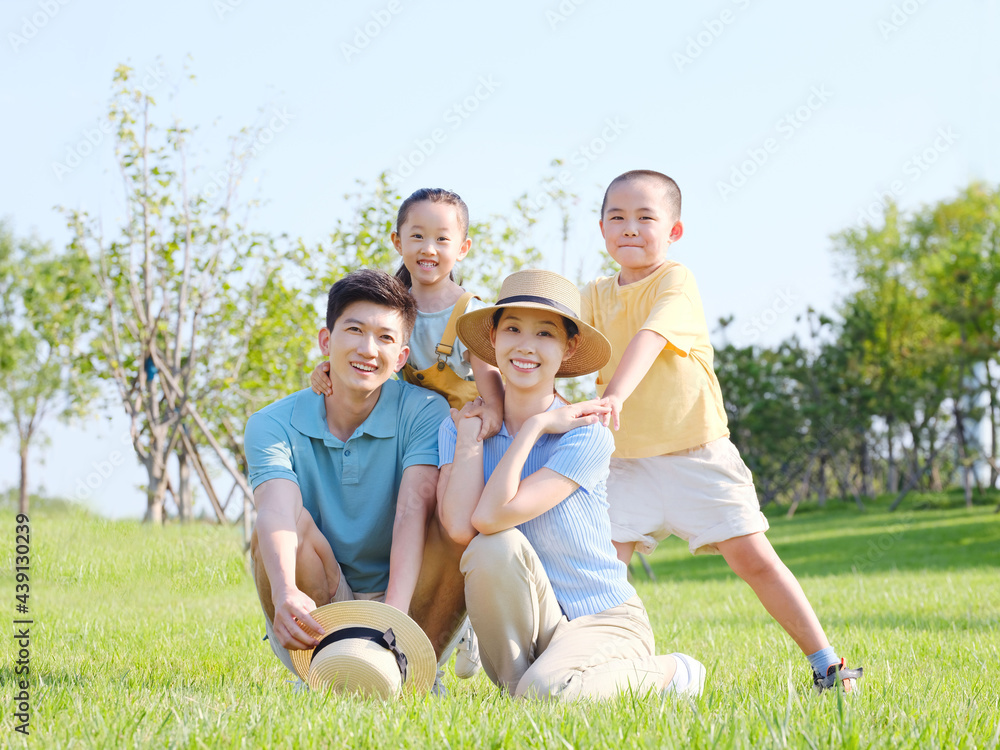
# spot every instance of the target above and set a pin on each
(414, 507)
(639, 356)
(490, 386)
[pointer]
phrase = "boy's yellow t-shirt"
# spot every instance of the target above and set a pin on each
(678, 404)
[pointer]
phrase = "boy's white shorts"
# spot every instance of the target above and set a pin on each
(704, 495)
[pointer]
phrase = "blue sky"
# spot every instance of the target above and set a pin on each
(782, 123)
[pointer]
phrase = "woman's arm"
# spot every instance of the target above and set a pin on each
(507, 500)
(460, 483)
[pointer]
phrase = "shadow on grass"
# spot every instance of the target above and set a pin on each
(821, 544)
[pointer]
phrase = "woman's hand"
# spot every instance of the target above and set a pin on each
(566, 418)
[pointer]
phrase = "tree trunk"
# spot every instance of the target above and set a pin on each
(866, 469)
(185, 501)
(156, 489)
(893, 479)
(962, 453)
(821, 485)
(22, 500)
(994, 427)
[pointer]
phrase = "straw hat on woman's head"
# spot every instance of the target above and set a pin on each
(369, 648)
(538, 290)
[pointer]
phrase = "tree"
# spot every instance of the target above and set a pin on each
(177, 281)
(45, 313)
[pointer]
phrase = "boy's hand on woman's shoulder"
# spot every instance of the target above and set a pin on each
(612, 417)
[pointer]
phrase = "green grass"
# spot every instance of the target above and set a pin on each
(151, 637)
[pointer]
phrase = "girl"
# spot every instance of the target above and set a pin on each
(548, 597)
(431, 235)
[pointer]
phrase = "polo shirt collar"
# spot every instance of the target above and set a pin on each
(309, 415)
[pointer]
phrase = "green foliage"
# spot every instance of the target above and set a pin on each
(172, 656)
(46, 308)
(882, 396)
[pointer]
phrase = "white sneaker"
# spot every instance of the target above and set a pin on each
(467, 661)
(465, 646)
(688, 679)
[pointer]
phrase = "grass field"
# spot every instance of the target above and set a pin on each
(151, 637)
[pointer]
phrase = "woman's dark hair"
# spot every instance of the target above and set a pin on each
(433, 195)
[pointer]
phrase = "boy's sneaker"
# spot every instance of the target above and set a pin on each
(837, 674)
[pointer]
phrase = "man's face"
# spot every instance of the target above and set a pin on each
(638, 227)
(365, 347)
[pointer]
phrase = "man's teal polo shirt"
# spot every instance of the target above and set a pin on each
(350, 488)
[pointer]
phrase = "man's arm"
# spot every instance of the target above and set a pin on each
(279, 503)
(414, 508)
(639, 356)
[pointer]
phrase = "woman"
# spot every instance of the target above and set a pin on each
(546, 593)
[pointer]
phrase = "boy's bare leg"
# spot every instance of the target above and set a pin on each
(625, 551)
(317, 573)
(438, 603)
(754, 560)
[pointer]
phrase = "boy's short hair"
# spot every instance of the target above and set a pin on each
(370, 285)
(672, 193)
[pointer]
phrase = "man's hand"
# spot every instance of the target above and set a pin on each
(491, 415)
(466, 420)
(293, 624)
(319, 379)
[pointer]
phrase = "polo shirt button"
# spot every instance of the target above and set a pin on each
(347, 453)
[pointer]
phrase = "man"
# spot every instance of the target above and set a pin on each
(345, 484)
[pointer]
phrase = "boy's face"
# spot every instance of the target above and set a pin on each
(638, 227)
(365, 347)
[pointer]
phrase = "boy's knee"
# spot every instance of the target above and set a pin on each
(751, 561)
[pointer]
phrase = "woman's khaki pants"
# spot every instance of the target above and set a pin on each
(531, 649)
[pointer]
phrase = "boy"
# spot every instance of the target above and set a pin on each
(674, 470)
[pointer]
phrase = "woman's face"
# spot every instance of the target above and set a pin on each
(531, 345)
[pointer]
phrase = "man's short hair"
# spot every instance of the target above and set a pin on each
(671, 192)
(370, 285)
